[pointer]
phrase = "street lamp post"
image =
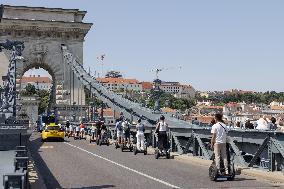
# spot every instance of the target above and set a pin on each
(157, 84)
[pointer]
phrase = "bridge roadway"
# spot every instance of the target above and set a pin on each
(80, 165)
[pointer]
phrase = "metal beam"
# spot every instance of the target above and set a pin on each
(259, 151)
(205, 152)
(179, 148)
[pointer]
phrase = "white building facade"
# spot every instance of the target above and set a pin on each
(40, 83)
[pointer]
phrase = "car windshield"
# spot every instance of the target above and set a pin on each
(50, 128)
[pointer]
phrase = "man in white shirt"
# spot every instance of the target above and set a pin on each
(262, 124)
(219, 141)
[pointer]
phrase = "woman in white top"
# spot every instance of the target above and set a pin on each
(161, 129)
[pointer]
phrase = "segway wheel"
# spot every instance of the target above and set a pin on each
(168, 155)
(213, 172)
(100, 143)
(135, 150)
(131, 148)
(145, 151)
(97, 141)
(232, 174)
(107, 143)
(121, 147)
(157, 154)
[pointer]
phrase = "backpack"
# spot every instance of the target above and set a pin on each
(125, 126)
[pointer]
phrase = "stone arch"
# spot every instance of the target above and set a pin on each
(54, 75)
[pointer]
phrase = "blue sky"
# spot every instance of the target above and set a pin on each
(220, 44)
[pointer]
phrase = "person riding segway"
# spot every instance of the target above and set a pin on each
(104, 135)
(82, 131)
(93, 133)
(140, 138)
(163, 143)
(98, 131)
(118, 129)
(222, 166)
(77, 132)
(67, 125)
(126, 143)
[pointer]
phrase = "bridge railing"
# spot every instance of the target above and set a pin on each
(252, 148)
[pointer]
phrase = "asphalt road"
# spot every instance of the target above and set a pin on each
(80, 165)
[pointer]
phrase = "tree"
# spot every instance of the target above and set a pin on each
(43, 104)
(30, 90)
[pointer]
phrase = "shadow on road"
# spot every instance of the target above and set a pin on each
(96, 187)
(242, 179)
(49, 179)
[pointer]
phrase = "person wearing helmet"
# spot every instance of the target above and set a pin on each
(140, 136)
(161, 130)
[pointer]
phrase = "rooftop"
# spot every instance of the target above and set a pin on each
(35, 79)
(118, 80)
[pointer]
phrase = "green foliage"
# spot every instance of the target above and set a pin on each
(168, 100)
(29, 90)
(43, 104)
(257, 98)
(43, 95)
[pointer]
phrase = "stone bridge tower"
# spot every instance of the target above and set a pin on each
(43, 31)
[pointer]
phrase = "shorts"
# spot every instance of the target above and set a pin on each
(126, 134)
(98, 132)
(119, 134)
(70, 129)
(82, 129)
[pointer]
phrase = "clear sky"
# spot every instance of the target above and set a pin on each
(220, 44)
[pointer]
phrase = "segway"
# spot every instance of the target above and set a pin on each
(159, 153)
(77, 135)
(116, 145)
(83, 138)
(216, 175)
(136, 151)
(127, 146)
(165, 152)
(104, 139)
(93, 137)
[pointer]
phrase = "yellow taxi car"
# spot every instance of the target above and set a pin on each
(52, 131)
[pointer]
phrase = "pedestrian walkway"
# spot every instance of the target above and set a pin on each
(6, 164)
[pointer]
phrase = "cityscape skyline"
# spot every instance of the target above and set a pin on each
(220, 45)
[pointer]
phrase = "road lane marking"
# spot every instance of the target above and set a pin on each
(127, 168)
(46, 147)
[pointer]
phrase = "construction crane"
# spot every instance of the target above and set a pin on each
(158, 70)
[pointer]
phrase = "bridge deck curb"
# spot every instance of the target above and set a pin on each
(275, 177)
